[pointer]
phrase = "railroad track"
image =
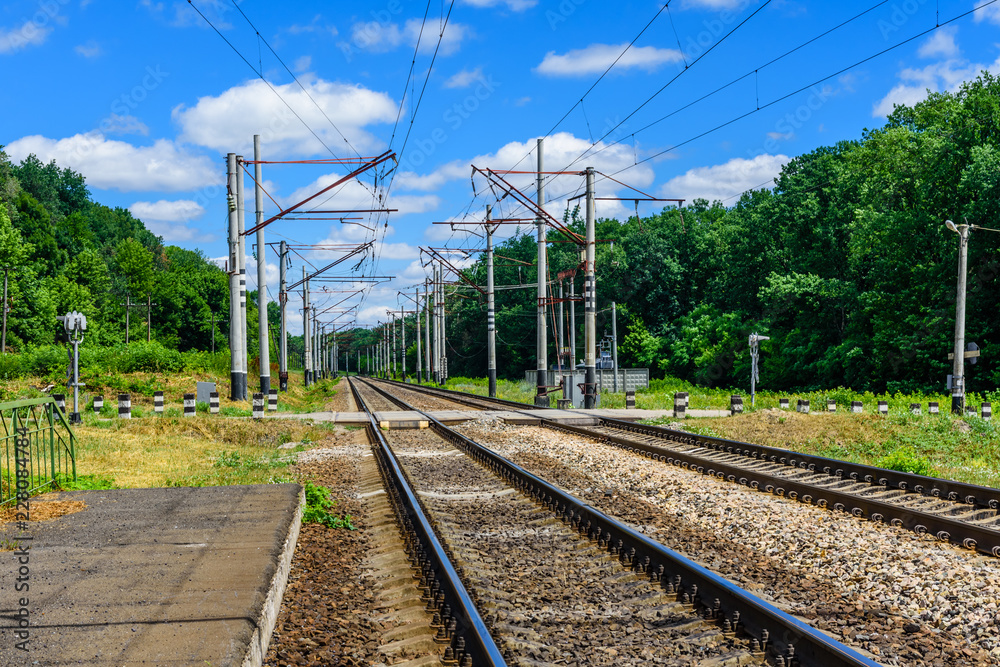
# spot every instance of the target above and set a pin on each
(584, 590)
(964, 514)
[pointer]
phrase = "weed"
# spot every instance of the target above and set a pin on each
(907, 460)
(84, 483)
(9, 545)
(318, 506)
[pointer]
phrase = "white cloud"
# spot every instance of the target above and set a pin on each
(596, 58)
(89, 49)
(384, 37)
(464, 78)
(302, 64)
(777, 136)
(989, 13)
(167, 211)
(23, 36)
(110, 164)
(513, 5)
(315, 26)
(168, 219)
(947, 75)
(941, 43)
(723, 181)
(128, 124)
(228, 121)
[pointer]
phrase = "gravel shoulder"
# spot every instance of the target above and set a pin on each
(905, 599)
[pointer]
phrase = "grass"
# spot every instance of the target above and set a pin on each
(965, 449)
(189, 451)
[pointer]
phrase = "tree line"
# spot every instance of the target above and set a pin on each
(845, 263)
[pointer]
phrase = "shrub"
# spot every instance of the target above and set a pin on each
(905, 459)
(318, 504)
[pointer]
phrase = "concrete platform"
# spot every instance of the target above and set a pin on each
(178, 576)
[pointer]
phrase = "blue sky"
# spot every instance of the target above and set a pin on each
(145, 99)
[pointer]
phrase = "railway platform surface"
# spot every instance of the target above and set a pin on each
(175, 576)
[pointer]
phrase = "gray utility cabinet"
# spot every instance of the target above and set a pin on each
(629, 379)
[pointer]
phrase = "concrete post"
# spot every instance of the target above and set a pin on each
(491, 325)
(306, 341)
(428, 372)
(237, 389)
(402, 342)
(572, 327)
(541, 346)
(416, 309)
(614, 345)
(242, 257)
(283, 305)
(265, 352)
(590, 301)
(958, 369)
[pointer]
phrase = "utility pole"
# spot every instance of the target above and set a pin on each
(614, 345)
(491, 325)
(283, 306)
(402, 342)
(561, 327)
(392, 342)
(6, 308)
(572, 326)
(306, 342)
(242, 256)
(235, 356)
(541, 389)
(958, 369)
(265, 350)
(416, 300)
(427, 331)
(590, 301)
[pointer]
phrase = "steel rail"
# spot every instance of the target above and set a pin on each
(972, 494)
(968, 535)
(774, 631)
(451, 599)
(983, 539)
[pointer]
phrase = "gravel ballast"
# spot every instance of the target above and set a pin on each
(905, 599)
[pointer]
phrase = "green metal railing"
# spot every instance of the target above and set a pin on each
(38, 428)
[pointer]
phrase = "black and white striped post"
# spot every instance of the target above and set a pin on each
(124, 406)
(258, 406)
(735, 404)
(158, 402)
(932, 408)
(986, 411)
(98, 404)
(213, 402)
(970, 410)
(783, 403)
(272, 400)
(189, 405)
(803, 406)
(857, 407)
(680, 405)
(831, 406)
(60, 400)
(883, 407)
(630, 399)
(914, 408)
